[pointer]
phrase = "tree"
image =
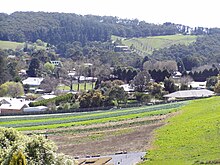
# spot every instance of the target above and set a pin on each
(13, 89)
(140, 81)
(49, 84)
(33, 68)
(169, 85)
(4, 74)
(49, 67)
(19, 149)
(211, 82)
(156, 90)
(217, 88)
(118, 94)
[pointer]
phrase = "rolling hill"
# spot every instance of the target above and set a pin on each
(147, 45)
(191, 137)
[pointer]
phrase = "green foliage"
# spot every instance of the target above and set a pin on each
(217, 88)
(191, 137)
(92, 99)
(49, 67)
(19, 149)
(13, 89)
(169, 85)
(211, 82)
(142, 97)
(57, 100)
(18, 158)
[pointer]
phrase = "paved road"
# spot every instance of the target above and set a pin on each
(126, 159)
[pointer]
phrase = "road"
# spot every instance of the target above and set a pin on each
(126, 159)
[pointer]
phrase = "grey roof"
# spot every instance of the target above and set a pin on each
(190, 94)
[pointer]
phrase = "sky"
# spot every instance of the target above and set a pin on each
(192, 13)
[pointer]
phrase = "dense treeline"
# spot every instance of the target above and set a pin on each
(55, 28)
(206, 50)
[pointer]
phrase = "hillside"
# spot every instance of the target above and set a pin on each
(146, 45)
(55, 28)
(16, 45)
(191, 137)
(11, 45)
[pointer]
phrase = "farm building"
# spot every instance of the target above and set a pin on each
(188, 94)
(35, 109)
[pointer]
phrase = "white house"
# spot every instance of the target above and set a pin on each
(127, 88)
(33, 81)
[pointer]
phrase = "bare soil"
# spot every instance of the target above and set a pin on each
(108, 141)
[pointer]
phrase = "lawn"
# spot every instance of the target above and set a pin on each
(191, 137)
(149, 44)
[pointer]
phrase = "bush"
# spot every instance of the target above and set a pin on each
(57, 100)
(16, 148)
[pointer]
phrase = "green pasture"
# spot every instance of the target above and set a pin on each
(191, 137)
(149, 44)
(15, 45)
(85, 118)
(75, 87)
(11, 45)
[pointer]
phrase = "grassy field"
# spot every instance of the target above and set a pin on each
(76, 119)
(191, 137)
(75, 86)
(11, 45)
(15, 45)
(149, 44)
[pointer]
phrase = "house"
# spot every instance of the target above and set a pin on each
(190, 94)
(33, 81)
(12, 105)
(121, 48)
(57, 63)
(127, 88)
(43, 97)
(197, 85)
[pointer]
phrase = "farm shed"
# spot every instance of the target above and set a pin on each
(187, 94)
(35, 109)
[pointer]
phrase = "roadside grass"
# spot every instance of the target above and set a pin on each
(149, 44)
(75, 119)
(192, 137)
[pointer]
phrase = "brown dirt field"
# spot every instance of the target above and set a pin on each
(130, 139)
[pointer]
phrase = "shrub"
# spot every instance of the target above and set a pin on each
(57, 100)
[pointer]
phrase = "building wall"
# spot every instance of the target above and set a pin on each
(9, 111)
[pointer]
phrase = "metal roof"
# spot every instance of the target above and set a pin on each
(190, 94)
